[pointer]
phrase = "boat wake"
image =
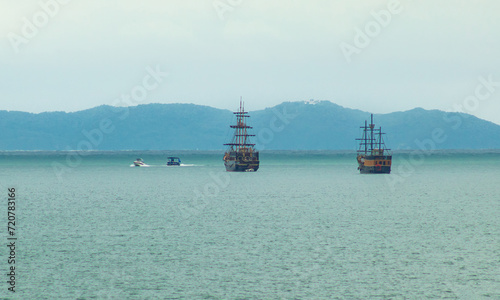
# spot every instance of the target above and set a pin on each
(149, 166)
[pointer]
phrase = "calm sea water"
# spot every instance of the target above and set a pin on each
(307, 225)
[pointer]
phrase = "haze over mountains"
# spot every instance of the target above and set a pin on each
(309, 125)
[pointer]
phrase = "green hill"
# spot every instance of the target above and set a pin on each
(288, 126)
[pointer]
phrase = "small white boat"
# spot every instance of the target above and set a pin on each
(139, 163)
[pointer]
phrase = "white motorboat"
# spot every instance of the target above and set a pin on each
(139, 163)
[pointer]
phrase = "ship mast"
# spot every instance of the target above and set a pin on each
(380, 138)
(366, 137)
(371, 132)
(371, 138)
(240, 139)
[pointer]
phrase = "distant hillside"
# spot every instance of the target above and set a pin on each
(288, 126)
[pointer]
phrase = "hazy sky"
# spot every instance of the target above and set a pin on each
(378, 56)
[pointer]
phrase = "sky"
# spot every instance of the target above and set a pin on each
(377, 56)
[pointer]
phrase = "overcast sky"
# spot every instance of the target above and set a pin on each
(378, 56)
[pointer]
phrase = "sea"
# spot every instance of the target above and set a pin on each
(306, 225)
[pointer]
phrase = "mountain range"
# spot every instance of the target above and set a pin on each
(306, 125)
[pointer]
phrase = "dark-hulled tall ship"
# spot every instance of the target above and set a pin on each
(241, 155)
(373, 156)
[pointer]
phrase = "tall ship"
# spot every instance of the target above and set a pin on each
(373, 156)
(241, 155)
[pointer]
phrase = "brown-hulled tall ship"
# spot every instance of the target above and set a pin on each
(373, 156)
(241, 155)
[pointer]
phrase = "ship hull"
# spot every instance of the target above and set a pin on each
(375, 170)
(374, 164)
(235, 166)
